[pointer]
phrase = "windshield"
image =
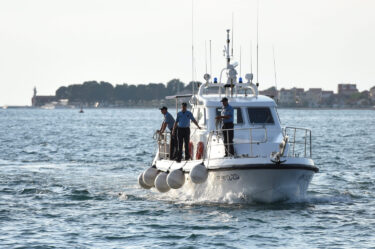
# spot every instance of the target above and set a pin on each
(260, 115)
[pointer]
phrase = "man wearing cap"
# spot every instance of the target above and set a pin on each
(227, 117)
(169, 122)
(182, 125)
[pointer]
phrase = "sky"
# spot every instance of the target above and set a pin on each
(50, 43)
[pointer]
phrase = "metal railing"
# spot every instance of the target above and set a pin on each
(215, 138)
(300, 141)
(163, 141)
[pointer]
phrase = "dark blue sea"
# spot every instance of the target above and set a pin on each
(69, 180)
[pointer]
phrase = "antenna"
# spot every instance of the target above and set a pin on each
(258, 42)
(251, 57)
(232, 32)
(205, 53)
(210, 60)
(240, 61)
(274, 67)
(192, 45)
(227, 49)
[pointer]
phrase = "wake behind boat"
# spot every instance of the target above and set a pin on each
(269, 163)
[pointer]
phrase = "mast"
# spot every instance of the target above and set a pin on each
(251, 57)
(240, 61)
(258, 43)
(274, 68)
(232, 33)
(227, 49)
(210, 60)
(205, 54)
(192, 46)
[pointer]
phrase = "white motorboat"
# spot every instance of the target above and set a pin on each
(270, 163)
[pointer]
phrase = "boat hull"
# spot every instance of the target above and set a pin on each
(265, 185)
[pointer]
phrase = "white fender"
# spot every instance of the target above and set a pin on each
(149, 176)
(161, 182)
(198, 173)
(176, 179)
(141, 182)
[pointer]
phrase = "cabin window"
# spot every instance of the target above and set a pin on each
(260, 115)
(237, 115)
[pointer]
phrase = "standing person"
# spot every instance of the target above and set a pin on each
(227, 117)
(169, 122)
(183, 130)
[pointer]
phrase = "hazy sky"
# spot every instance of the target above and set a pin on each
(48, 43)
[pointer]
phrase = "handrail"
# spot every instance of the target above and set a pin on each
(297, 141)
(163, 141)
(250, 142)
(297, 145)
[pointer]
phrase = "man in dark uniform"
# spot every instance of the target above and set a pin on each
(228, 133)
(169, 122)
(183, 131)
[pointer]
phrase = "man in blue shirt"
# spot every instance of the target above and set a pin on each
(228, 133)
(169, 122)
(183, 131)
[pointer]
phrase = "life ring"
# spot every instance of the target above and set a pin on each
(200, 149)
(191, 150)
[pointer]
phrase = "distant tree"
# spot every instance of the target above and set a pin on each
(132, 91)
(175, 86)
(189, 87)
(155, 91)
(121, 92)
(106, 92)
(75, 93)
(91, 91)
(62, 93)
(355, 96)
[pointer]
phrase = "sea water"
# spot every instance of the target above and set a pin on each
(69, 180)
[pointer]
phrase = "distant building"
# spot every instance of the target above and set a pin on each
(291, 97)
(299, 95)
(327, 94)
(372, 93)
(347, 89)
(313, 97)
(38, 101)
(287, 97)
(270, 92)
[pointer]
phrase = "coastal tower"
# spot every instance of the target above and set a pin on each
(33, 99)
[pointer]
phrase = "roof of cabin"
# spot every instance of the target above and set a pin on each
(240, 100)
